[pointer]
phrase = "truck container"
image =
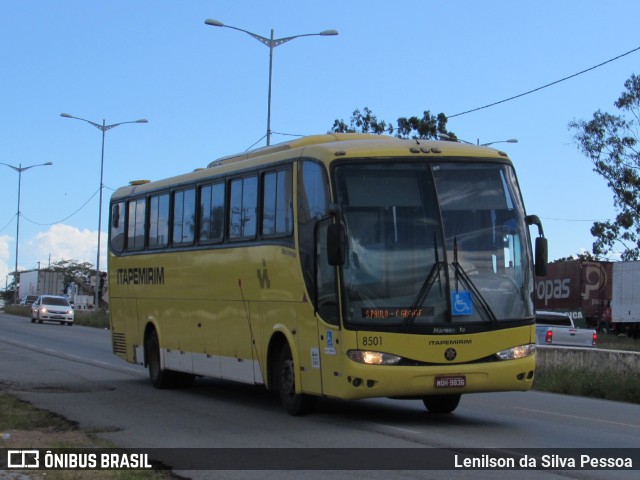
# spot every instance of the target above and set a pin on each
(579, 288)
(41, 282)
(625, 299)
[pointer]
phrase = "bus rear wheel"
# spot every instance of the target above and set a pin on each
(160, 377)
(441, 403)
(294, 403)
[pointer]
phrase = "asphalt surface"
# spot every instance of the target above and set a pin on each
(71, 371)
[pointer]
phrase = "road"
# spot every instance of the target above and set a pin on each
(71, 371)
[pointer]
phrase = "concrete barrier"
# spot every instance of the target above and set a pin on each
(591, 359)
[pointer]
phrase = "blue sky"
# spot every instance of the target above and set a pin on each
(204, 91)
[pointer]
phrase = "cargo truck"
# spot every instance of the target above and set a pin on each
(580, 289)
(601, 295)
(41, 282)
(625, 299)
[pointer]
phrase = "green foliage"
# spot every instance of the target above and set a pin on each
(73, 270)
(7, 295)
(610, 142)
(19, 415)
(583, 257)
(426, 127)
(99, 319)
(618, 342)
(572, 381)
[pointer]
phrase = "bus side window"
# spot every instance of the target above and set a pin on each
(211, 213)
(136, 219)
(243, 208)
(159, 221)
(184, 217)
(326, 298)
(313, 205)
(117, 226)
(277, 208)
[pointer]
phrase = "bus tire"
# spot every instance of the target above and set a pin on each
(163, 378)
(441, 403)
(160, 378)
(294, 403)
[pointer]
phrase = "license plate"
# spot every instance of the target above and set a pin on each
(451, 381)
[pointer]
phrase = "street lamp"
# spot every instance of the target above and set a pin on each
(511, 140)
(271, 43)
(20, 169)
(103, 128)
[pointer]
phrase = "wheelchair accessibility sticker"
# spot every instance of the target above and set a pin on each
(329, 349)
(461, 303)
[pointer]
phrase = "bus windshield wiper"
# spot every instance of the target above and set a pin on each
(463, 276)
(434, 275)
(426, 287)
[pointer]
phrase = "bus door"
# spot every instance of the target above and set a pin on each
(327, 314)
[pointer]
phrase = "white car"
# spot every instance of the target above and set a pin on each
(52, 308)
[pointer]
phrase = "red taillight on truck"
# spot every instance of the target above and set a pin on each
(595, 338)
(548, 338)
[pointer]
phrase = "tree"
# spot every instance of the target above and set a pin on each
(582, 256)
(426, 127)
(611, 141)
(73, 271)
(8, 293)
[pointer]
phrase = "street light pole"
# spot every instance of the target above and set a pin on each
(271, 43)
(511, 140)
(103, 128)
(19, 169)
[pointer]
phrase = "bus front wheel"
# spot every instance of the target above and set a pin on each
(294, 403)
(441, 403)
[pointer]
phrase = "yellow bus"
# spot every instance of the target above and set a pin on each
(339, 265)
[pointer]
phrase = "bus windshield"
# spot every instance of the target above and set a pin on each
(433, 244)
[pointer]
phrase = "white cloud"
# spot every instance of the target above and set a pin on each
(59, 242)
(64, 242)
(4, 258)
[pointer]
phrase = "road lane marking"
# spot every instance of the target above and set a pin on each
(578, 417)
(401, 429)
(76, 358)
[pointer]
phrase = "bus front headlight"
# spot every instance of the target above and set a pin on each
(515, 353)
(373, 358)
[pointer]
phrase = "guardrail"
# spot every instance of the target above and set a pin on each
(592, 359)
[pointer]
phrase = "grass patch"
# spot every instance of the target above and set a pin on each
(16, 414)
(616, 342)
(99, 319)
(23, 426)
(573, 381)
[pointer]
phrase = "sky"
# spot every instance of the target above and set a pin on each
(203, 90)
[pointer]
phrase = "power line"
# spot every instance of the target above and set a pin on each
(256, 142)
(571, 219)
(544, 86)
(66, 218)
(8, 223)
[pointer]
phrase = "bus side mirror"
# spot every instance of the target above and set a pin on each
(541, 248)
(541, 256)
(336, 244)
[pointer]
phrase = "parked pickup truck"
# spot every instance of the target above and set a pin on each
(553, 328)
